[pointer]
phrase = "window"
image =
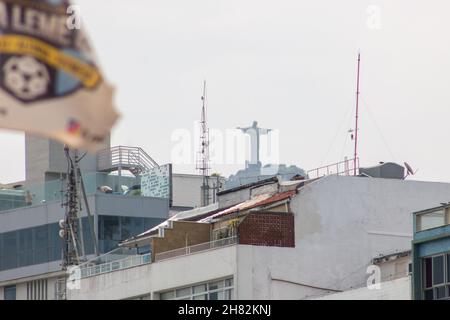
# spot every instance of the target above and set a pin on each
(436, 277)
(113, 229)
(144, 297)
(41, 244)
(181, 293)
(448, 267)
(438, 270)
(36, 245)
(167, 295)
(428, 273)
(214, 290)
(428, 294)
(25, 248)
(10, 292)
(200, 288)
(433, 219)
(9, 251)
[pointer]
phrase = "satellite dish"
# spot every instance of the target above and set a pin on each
(409, 170)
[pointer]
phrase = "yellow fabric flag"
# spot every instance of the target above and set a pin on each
(50, 84)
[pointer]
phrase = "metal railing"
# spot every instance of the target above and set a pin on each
(346, 167)
(38, 192)
(134, 158)
(195, 248)
(133, 261)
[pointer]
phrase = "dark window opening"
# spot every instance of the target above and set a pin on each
(10, 292)
(428, 273)
(438, 270)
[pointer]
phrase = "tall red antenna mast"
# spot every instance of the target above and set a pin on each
(355, 156)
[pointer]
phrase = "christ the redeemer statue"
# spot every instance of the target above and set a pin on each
(255, 134)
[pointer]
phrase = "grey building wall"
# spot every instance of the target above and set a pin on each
(45, 159)
(187, 189)
(36, 157)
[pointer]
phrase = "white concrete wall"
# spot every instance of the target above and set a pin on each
(394, 269)
(399, 289)
(268, 272)
(186, 190)
(341, 223)
(16, 275)
(159, 276)
(21, 287)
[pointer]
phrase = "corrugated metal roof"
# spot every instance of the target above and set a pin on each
(184, 215)
(255, 202)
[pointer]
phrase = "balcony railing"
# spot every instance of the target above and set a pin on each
(347, 167)
(129, 262)
(195, 248)
(134, 159)
(37, 192)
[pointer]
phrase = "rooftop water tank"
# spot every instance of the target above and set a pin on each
(387, 170)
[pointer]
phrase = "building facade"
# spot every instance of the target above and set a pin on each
(30, 212)
(274, 240)
(431, 254)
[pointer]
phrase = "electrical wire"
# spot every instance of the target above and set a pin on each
(338, 131)
(81, 158)
(372, 117)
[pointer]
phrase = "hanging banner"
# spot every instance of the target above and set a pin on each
(50, 83)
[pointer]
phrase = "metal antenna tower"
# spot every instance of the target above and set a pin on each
(69, 231)
(203, 159)
(71, 226)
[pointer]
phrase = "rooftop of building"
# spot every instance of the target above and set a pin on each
(391, 256)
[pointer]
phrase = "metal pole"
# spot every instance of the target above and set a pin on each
(90, 218)
(77, 174)
(355, 156)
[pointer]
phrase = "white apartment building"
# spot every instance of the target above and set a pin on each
(339, 224)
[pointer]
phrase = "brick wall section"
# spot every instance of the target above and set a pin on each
(267, 229)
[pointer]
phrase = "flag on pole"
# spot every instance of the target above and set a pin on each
(50, 82)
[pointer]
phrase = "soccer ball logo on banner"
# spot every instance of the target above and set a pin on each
(25, 77)
(50, 83)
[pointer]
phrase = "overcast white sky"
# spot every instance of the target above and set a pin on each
(289, 64)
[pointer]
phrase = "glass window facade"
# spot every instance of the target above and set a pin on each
(214, 290)
(40, 244)
(114, 229)
(436, 277)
